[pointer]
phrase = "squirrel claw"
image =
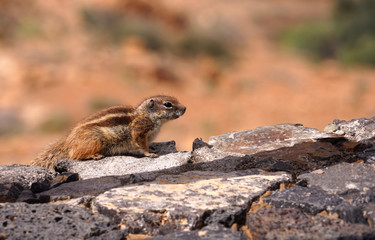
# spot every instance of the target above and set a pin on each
(151, 155)
(97, 156)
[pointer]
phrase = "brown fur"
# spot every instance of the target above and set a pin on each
(117, 130)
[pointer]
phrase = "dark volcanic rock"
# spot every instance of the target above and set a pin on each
(163, 148)
(29, 197)
(357, 130)
(314, 201)
(297, 159)
(77, 189)
(43, 221)
(290, 223)
(55, 182)
(9, 192)
(342, 178)
(212, 232)
(284, 147)
(369, 213)
(186, 201)
(15, 178)
(269, 138)
(360, 131)
(25, 175)
(352, 182)
(309, 200)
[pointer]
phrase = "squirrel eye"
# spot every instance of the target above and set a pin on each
(168, 104)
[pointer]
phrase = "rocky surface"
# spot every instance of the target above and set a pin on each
(186, 201)
(342, 179)
(49, 221)
(358, 130)
(278, 182)
(269, 138)
(290, 223)
(15, 178)
(168, 158)
(285, 147)
(24, 175)
(314, 201)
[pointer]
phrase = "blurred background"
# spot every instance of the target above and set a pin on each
(236, 65)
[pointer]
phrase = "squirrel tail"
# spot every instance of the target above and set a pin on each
(49, 157)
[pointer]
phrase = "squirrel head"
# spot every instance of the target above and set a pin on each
(162, 107)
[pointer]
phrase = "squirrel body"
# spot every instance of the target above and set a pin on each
(119, 130)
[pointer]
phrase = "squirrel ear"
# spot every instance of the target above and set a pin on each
(151, 103)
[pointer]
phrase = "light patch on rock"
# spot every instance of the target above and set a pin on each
(186, 197)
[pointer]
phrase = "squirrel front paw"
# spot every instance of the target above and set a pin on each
(97, 156)
(151, 155)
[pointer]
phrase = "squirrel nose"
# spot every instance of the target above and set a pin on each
(183, 109)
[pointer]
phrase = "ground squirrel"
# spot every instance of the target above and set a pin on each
(119, 130)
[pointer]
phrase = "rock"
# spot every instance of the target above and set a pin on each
(290, 223)
(280, 154)
(361, 131)
(44, 221)
(199, 143)
(360, 198)
(314, 201)
(369, 213)
(184, 202)
(25, 175)
(9, 192)
(15, 178)
(297, 159)
(352, 182)
(61, 178)
(357, 130)
(309, 200)
(341, 179)
(210, 232)
(123, 165)
(163, 148)
(269, 138)
(29, 197)
(78, 189)
(226, 216)
(212, 159)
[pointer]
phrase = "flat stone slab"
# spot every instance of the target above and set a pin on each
(90, 187)
(123, 165)
(269, 138)
(44, 221)
(309, 200)
(314, 201)
(285, 147)
(291, 223)
(300, 158)
(183, 202)
(342, 178)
